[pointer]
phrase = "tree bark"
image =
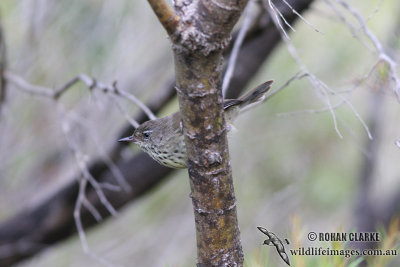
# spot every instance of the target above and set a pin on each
(201, 34)
(200, 98)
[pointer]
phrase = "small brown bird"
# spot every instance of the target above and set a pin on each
(163, 138)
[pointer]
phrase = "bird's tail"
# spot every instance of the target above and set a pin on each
(254, 97)
(233, 107)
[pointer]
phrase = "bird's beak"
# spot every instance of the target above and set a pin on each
(127, 139)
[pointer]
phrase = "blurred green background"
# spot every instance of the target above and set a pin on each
(290, 171)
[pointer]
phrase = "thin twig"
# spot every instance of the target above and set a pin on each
(27, 87)
(302, 18)
(81, 159)
(274, 12)
(323, 89)
(376, 10)
(111, 187)
(77, 214)
(248, 19)
(310, 111)
(89, 82)
(298, 76)
(293, 52)
(92, 209)
(354, 30)
(81, 162)
(382, 55)
(134, 100)
(105, 157)
(3, 65)
(351, 106)
(93, 84)
(132, 121)
(80, 200)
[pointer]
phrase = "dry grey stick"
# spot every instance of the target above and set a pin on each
(323, 89)
(79, 156)
(248, 19)
(378, 46)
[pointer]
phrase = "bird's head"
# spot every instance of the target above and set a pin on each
(142, 135)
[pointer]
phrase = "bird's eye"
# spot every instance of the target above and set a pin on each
(146, 134)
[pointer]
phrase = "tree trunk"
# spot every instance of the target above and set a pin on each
(214, 204)
(200, 30)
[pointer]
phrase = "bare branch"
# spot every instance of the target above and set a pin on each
(77, 214)
(323, 90)
(27, 87)
(89, 82)
(84, 179)
(92, 209)
(376, 10)
(354, 30)
(278, 12)
(3, 64)
(248, 19)
(382, 55)
(301, 17)
(293, 52)
(166, 15)
(81, 162)
(132, 121)
(93, 84)
(105, 157)
(81, 200)
(312, 111)
(134, 100)
(274, 12)
(297, 76)
(25, 240)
